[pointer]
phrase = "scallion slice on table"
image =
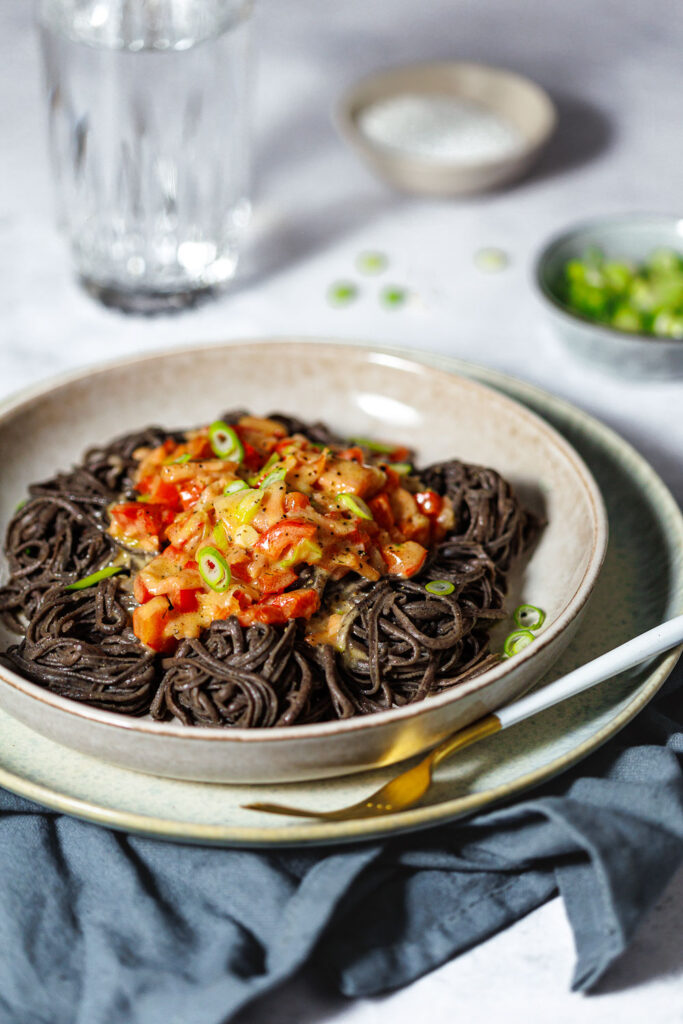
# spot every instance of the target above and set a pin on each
(213, 568)
(225, 442)
(393, 297)
(355, 505)
(528, 616)
(342, 293)
(371, 262)
(439, 587)
(491, 260)
(95, 577)
(517, 641)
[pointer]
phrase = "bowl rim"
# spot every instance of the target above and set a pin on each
(344, 116)
(317, 730)
(575, 230)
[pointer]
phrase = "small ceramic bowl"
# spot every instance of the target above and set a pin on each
(361, 392)
(516, 100)
(629, 237)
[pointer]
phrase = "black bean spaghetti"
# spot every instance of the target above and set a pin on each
(398, 638)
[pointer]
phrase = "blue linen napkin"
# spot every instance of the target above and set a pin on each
(98, 927)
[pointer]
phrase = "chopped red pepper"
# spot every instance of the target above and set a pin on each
(429, 503)
(285, 533)
(296, 604)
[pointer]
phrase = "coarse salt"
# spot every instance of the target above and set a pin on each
(439, 128)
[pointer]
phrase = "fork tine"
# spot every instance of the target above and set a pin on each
(401, 792)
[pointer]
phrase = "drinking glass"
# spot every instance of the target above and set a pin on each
(148, 112)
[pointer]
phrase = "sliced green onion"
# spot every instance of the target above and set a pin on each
(274, 477)
(528, 616)
(225, 442)
(213, 568)
(371, 262)
(305, 551)
(95, 577)
(20, 505)
(236, 485)
(355, 505)
(439, 587)
(374, 446)
(491, 260)
(516, 641)
(393, 297)
(180, 461)
(220, 536)
(402, 468)
(342, 293)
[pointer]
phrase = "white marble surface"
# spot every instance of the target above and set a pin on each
(614, 68)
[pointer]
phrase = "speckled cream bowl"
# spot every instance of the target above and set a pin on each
(361, 392)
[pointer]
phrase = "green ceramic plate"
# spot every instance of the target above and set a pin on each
(641, 584)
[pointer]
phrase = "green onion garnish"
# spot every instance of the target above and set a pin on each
(181, 460)
(20, 505)
(516, 641)
(373, 446)
(355, 505)
(528, 616)
(439, 587)
(393, 297)
(275, 476)
(342, 293)
(236, 485)
(371, 262)
(225, 442)
(95, 577)
(643, 298)
(491, 260)
(213, 568)
(402, 468)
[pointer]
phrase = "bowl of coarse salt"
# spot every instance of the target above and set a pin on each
(447, 128)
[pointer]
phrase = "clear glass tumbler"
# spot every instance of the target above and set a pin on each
(148, 104)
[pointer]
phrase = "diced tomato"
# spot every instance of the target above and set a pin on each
(354, 454)
(142, 594)
(429, 503)
(285, 533)
(296, 604)
(161, 492)
(381, 510)
(138, 520)
(295, 501)
(190, 493)
(149, 621)
(404, 559)
(183, 600)
(180, 557)
(399, 454)
(252, 459)
(274, 581)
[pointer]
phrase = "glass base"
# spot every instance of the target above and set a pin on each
(147, 303)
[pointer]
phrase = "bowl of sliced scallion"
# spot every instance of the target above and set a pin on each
(613, 289)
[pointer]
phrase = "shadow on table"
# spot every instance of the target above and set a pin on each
(656, 951)
(583, 133)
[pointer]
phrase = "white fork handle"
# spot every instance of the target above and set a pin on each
(633, 652)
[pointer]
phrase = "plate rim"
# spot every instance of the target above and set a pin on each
(416, 818)
(320, 730)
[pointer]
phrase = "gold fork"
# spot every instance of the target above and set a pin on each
(403, 791)
(410, 786)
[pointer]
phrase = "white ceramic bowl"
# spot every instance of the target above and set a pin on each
(517, 100)
(631, 236)
(360, 392)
